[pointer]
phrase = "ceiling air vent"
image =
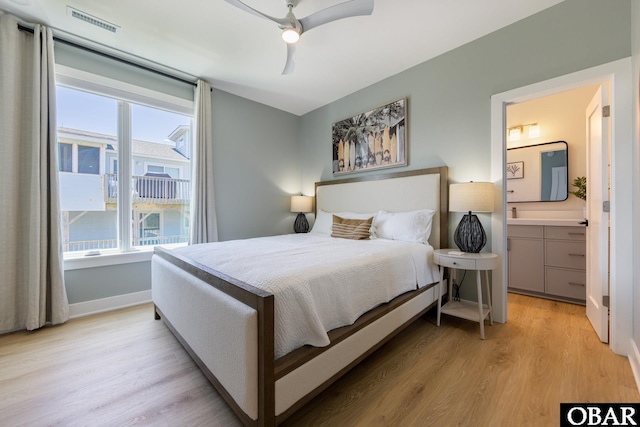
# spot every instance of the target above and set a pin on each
(78, 14)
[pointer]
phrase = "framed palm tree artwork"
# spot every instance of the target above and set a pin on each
(375, 139)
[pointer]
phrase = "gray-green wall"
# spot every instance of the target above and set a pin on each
(89, 284)
(86, 61)
(449, 97)
(256, 167)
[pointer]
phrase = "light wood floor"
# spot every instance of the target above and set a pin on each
(123, 368)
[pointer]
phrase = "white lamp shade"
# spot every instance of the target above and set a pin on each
(471, 197)
(301, 204)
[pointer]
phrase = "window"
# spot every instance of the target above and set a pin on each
(105, 205)
(149, 228)
(155, 169)
(65, 160)
(88, 160)
(173, 172)
(77, 158)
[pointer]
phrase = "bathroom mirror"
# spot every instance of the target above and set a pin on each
(538, 173)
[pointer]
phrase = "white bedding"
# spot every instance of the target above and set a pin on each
(320, 283)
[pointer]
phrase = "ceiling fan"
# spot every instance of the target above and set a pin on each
(292, 27)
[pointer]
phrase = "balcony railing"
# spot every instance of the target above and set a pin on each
(150, 189)
(90, 245)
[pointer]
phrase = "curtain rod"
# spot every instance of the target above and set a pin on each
(115, 58)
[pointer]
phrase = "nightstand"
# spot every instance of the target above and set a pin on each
(470, 310)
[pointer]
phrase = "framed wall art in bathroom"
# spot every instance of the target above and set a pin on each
(515, 170)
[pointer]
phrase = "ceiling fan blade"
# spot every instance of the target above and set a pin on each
(339, 11)
(242, 6)
(291, 59)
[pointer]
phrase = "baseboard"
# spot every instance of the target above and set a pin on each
(87, 308)
(634, 360)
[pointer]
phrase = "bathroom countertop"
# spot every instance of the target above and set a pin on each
(546, 221)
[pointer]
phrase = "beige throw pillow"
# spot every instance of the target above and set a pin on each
(356, 229)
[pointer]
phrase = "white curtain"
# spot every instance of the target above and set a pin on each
(204, 226)
(32, 290)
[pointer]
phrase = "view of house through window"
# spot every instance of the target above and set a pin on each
(88, 150)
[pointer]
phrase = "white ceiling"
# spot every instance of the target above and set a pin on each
(244, 55)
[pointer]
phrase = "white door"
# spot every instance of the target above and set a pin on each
(597, 230)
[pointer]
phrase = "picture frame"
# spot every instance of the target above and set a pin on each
(515, 170)
(374, 139)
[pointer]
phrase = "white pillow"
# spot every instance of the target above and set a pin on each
(412, 226)
(324, 220)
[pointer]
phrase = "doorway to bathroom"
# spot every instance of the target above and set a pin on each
(557, 239)
(509, 110)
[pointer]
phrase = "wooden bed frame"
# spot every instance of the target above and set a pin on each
(269, 370)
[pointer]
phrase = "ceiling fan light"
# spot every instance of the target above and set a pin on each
(290, 35)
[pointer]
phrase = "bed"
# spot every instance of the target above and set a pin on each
(234, 330)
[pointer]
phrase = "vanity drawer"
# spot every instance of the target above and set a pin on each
(566, 283)
(529, 231)
(560, 253)
(565, 233)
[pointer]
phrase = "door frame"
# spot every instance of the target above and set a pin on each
(618, 74)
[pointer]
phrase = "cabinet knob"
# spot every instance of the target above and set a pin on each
(455, 263)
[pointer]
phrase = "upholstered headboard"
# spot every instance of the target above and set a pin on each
(392, 192)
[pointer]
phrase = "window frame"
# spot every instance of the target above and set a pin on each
(125, 94)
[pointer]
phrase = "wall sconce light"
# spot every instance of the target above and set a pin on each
(515, 132)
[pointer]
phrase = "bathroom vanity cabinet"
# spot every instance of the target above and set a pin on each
(548, 261)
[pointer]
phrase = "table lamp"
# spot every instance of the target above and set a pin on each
(302, 205)
(470, 197)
